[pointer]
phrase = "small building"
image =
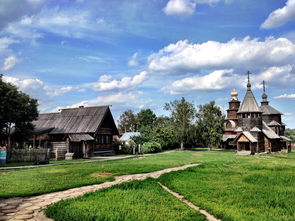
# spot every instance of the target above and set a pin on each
(83, 131)
(252, 128)
(127, 136)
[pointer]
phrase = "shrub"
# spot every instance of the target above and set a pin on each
(151, 147)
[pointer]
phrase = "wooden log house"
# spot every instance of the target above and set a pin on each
(83, 131)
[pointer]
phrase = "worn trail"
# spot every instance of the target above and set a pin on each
(190, 204)
(31, 208)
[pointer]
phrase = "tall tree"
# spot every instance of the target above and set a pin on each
(128, 122)
(210, 124)
(146, 119)
(183, 114)
(17, 110)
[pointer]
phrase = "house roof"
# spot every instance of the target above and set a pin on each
(269, 110)
(268, 132)
(249, 104)
(248, 135)
(73, 120)
(126, 136)
(225, 137)
(285, 138)
(80, 137)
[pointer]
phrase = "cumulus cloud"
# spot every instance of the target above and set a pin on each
(133, 61)
(37, 88)
(106, 82)
(288, 96)
(220, 79)
(213, 81)
(14, 10)
(184, 57)
(280, 16)
(185, 8)
(131, 99)
(9, 63)
(180, 7)
(275, 76)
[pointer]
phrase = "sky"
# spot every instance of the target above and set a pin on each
(137, 54)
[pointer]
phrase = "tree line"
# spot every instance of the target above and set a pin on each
(185, 127)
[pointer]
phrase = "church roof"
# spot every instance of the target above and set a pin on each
(249, 104)
(274, 123)
(268, 132)
(255, 129)
(248, 135)
(269, 110)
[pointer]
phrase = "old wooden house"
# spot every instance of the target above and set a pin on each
(252, 128)
(83, 131)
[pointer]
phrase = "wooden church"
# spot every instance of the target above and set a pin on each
(251, 128)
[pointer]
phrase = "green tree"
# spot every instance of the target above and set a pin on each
(210, 124)
(182, 113)
(128, 122)
(17, 110)
(146, 119)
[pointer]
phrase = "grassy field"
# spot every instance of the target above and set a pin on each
(36, 181)
(258, 188)
(136, 200)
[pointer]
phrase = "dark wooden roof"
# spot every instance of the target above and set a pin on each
(249, 104)
(269, 110)
(73, 120)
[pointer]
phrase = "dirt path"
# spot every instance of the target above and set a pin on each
(190, 204)
(31, 208)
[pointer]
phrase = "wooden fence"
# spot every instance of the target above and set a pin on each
(36, 156)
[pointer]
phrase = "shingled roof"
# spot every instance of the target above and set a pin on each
(73, 120)
(249, 104)
(269, 110)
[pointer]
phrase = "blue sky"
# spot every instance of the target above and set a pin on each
(135, 54)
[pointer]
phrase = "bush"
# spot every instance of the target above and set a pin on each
(151, 147)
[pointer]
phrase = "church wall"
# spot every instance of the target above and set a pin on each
(248, 123)
(269, 118)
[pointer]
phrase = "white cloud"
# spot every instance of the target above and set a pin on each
(213, 81)
(288, 96)
(180, 7)
(9, 63)
(185, 8)
(281, 76)
(37, 88)
(280, 16)
(184, 57)
(220, 79)
(106, 83)
(131, 99)
(133, 61)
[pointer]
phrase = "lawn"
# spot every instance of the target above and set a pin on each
(136, 200)
(258, 188)
(36, 181)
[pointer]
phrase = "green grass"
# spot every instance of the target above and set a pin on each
(136, 200)
(52, 161)
(248, 188)
(41, 180)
